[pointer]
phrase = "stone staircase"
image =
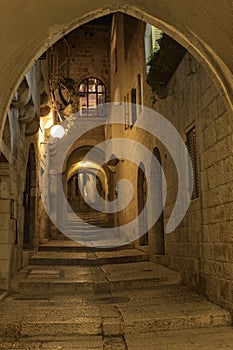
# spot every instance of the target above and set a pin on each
(94, 218)
(94, 234)
(76, 297)
(70, 267)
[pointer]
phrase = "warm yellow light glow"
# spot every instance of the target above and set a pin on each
(41, 134)
(48, 120)
(48, 124)
(85, 164)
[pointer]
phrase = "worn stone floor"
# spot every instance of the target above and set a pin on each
(217, 339)
(107, 304)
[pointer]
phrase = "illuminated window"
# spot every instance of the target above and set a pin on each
(92, 96)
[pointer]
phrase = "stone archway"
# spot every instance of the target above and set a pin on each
(80, 181)
(142, 197)
(30, 201)
(186, 23)
(88, 181)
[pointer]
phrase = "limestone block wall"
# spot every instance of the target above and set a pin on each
(89, 53)
(127, 56)
(14, 153)
(201, 247)
(12, 187)
(127, 65)
(86, 54)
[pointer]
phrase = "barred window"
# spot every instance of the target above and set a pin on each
(192, 148)
(92, 95)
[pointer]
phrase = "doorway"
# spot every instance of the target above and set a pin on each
(158, 228)
(142, 197)
(30, 201)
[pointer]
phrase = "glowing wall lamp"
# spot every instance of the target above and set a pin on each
(57, 131)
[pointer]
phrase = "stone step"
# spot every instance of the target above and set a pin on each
(93, 279)
(86, 231)
(90, 233)
(140, 311)
(96, 240)
(48, 326)
(86, 342)
(170, 308)
(220, 338)
(139, 275)
(91, 219)
(80, 225)
(90, 215)
(88, 259)
(93, 240)
(71, 246)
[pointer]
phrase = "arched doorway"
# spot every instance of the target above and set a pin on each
(142, 197)
(80, 200)
(30, 201)
(158, 228)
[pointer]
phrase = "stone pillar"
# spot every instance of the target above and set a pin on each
(53, 214)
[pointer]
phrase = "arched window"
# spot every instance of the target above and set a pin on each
(92, 95)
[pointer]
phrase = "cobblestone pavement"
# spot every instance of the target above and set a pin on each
(123, 306)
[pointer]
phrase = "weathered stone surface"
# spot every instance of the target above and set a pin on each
(200, 248)
(41, 318)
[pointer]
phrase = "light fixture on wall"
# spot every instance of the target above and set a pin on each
(57, 131)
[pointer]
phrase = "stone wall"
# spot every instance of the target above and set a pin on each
(83, 54)
(12, 187)
(14, 155)
(201, 246)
